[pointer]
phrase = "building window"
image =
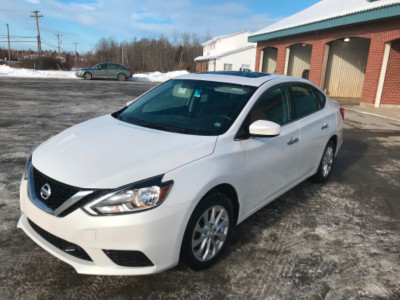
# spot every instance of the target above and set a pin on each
(227, 67)
(245, 68)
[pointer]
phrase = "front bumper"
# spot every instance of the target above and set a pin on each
(157, 233)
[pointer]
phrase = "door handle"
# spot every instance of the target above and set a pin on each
(326, 125)
(293, 141)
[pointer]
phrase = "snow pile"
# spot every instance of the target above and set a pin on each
(16, 72)
(157, 76)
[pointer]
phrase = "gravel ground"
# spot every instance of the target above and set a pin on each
(340, 240)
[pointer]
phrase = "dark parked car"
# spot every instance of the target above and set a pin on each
(105, 70)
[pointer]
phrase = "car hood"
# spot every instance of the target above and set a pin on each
(108, 153)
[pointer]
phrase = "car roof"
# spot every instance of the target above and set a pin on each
(102, 63)
(236, 77)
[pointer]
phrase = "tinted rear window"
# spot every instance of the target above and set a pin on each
(305, 100)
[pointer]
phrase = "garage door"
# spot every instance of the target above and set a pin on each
(345, 70)
(299, 59)
(269, 60)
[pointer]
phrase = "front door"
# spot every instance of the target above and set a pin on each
(271, 162)
(100, 70)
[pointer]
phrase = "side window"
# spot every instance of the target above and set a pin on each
(304, 99)
(321, 98)
(272, 106)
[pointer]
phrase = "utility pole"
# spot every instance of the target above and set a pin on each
(122, 56)
(9, 51)
(59, 43)
(76, 55)
(38, 32)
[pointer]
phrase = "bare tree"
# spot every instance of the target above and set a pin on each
(150, 54)
(106, 49)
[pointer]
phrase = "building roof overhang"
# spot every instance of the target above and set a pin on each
(391, 10)
(208, 57)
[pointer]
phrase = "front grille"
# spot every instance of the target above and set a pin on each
(60, 192)
(61, 244)
(129, 258)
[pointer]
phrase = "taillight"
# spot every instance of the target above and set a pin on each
(342, 112)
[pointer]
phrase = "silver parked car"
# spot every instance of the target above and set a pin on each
(105, 70)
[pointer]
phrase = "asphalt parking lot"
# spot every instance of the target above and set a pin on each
(340, 240)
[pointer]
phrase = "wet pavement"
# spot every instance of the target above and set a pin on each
(339, 240)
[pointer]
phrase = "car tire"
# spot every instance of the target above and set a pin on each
(87, 76)
(121, 77)
(326, 164)
(208, 231)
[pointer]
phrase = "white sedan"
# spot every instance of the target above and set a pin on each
(169, 176)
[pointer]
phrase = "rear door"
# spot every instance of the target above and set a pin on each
(313, 124)
(112, 70)
(271, 162)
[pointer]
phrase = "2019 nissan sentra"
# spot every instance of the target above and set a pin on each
(168, 177)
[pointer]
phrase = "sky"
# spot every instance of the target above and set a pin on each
(86, 21)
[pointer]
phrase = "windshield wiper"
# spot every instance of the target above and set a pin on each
(163, 127)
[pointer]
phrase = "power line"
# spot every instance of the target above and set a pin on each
(14, 10)
(55, 47)
(16, 41)
(18, 36)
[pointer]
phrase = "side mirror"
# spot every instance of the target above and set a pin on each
(264, 128)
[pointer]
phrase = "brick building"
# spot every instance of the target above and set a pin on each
(350, 48)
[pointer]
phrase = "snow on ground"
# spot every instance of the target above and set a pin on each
(16, 72)
(157, 76)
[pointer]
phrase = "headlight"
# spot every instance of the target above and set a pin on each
(131, 199)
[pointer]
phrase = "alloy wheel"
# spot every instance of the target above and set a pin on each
(210, 233)
(327, 161)
(87, 76)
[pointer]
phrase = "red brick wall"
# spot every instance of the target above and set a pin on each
(390, 94)
(378, 32)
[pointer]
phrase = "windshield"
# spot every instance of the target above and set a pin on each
(189, 106)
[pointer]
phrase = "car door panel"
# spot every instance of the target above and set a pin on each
(271, 164)
(313, 124)
(112, 70)
(313, 137)
(100, 72)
